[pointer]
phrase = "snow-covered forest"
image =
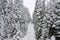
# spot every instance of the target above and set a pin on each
(29, 19)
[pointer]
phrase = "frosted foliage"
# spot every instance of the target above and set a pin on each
(45, 17)
(13, 25)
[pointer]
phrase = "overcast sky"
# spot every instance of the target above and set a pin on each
(30, 4)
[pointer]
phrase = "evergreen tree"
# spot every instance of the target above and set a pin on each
(45, 18)
(39, 20)
(13, 24)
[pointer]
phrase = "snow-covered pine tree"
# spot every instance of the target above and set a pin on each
(39, 20)
(49, 18)
(54, 10)
(13, 20)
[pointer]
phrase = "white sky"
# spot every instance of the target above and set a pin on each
(30, 4)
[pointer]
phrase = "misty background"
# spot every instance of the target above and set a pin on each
(30, 4)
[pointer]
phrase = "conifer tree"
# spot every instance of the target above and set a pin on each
(45, 18)
(14, 19)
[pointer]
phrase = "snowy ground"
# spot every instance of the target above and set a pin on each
(30, 33)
